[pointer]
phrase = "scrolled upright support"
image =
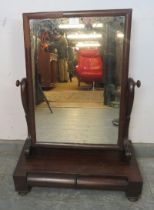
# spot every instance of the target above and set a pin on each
(130, 99)
(24, 99)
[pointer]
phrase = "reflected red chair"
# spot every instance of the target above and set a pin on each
(90, 66)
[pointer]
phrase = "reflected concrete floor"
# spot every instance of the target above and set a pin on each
(77, 125)
(68, 199)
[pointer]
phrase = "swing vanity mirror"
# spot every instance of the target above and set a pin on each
(77, 99)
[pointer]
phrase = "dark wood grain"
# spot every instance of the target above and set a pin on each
(25, 103)
(130, 99)
(78, 169)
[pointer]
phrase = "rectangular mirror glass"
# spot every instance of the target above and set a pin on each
(77, 65)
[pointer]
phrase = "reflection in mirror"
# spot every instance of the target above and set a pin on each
(77, 69)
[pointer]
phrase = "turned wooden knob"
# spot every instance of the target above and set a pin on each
(18, 83)
(138, 83)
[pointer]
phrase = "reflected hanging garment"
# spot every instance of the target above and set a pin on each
(44, 67)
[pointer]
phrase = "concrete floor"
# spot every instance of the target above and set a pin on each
(68, 199)
(77, 125)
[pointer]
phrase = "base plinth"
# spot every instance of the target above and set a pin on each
(76, 168)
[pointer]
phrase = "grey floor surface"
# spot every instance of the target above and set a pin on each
(77, 125)
(68, 199)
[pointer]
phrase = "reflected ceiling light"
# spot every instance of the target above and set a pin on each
(87, 44)
(97, 25)
(67, 26)
(84, 36)
(120, 35)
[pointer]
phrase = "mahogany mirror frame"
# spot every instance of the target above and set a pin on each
(105, 166)
(123, 126)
